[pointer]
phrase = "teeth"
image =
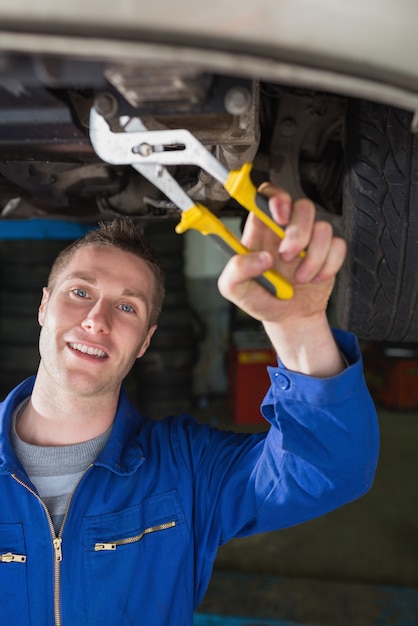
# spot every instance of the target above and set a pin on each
(87, 350)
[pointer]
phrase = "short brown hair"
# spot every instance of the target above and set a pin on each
(124, 234)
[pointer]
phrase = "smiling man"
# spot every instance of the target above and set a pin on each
(109, 518)
(95, 323)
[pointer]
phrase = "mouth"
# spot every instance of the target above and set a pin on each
(95, 352)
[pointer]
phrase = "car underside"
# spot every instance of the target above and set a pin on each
(293, 137)
(341, 137)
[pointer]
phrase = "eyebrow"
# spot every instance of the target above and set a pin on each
(137, 293)
(88, 278)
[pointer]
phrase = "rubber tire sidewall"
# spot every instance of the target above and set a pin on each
(377, 287)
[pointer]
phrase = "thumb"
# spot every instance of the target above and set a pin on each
(241, 269)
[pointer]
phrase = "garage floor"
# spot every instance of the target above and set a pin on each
(357, 566)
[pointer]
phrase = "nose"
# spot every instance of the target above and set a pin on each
(98, 318)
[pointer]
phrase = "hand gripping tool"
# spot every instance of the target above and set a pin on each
(149, 152)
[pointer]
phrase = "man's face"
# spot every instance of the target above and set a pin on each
(95, 322)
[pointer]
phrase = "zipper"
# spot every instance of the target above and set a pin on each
(9, 557)
(112, 545)
(56, 543)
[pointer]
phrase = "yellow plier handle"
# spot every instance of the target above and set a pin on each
(240, 187)
(198, 217)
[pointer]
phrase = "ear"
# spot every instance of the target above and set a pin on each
(42, 306)
(146, 341)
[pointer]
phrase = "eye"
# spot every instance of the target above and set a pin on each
(127, 308)
(80, 293)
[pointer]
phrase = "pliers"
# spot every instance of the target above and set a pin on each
(149, 152)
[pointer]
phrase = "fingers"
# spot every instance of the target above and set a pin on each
(324, 253)
(280, 202)
(298, 231)
(236, 278)
(297, 217)
(333, 262)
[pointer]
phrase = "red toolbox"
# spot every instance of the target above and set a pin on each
(248, 382)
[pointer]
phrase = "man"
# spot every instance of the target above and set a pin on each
(108, 518)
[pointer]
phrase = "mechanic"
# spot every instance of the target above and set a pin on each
(108, 518)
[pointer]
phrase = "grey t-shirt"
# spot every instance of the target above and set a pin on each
(56, 470)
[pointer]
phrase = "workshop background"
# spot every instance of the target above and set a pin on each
(357, 566)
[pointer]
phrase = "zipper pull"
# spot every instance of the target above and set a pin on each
(98, 547)
(12, 558)
(58, 549)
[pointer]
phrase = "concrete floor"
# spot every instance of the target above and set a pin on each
(357, 566)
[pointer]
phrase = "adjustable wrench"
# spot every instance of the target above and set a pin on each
(149, 152)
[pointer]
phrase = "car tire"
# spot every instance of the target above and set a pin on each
(378, 286)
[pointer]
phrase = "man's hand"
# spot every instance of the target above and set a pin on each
(298, 327)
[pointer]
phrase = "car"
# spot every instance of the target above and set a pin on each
(321, 97)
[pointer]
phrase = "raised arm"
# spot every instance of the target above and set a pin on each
(298, 328)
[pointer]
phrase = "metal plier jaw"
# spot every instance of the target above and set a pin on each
(150, 152)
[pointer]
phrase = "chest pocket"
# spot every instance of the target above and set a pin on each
(13, 574)
(136, 561)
